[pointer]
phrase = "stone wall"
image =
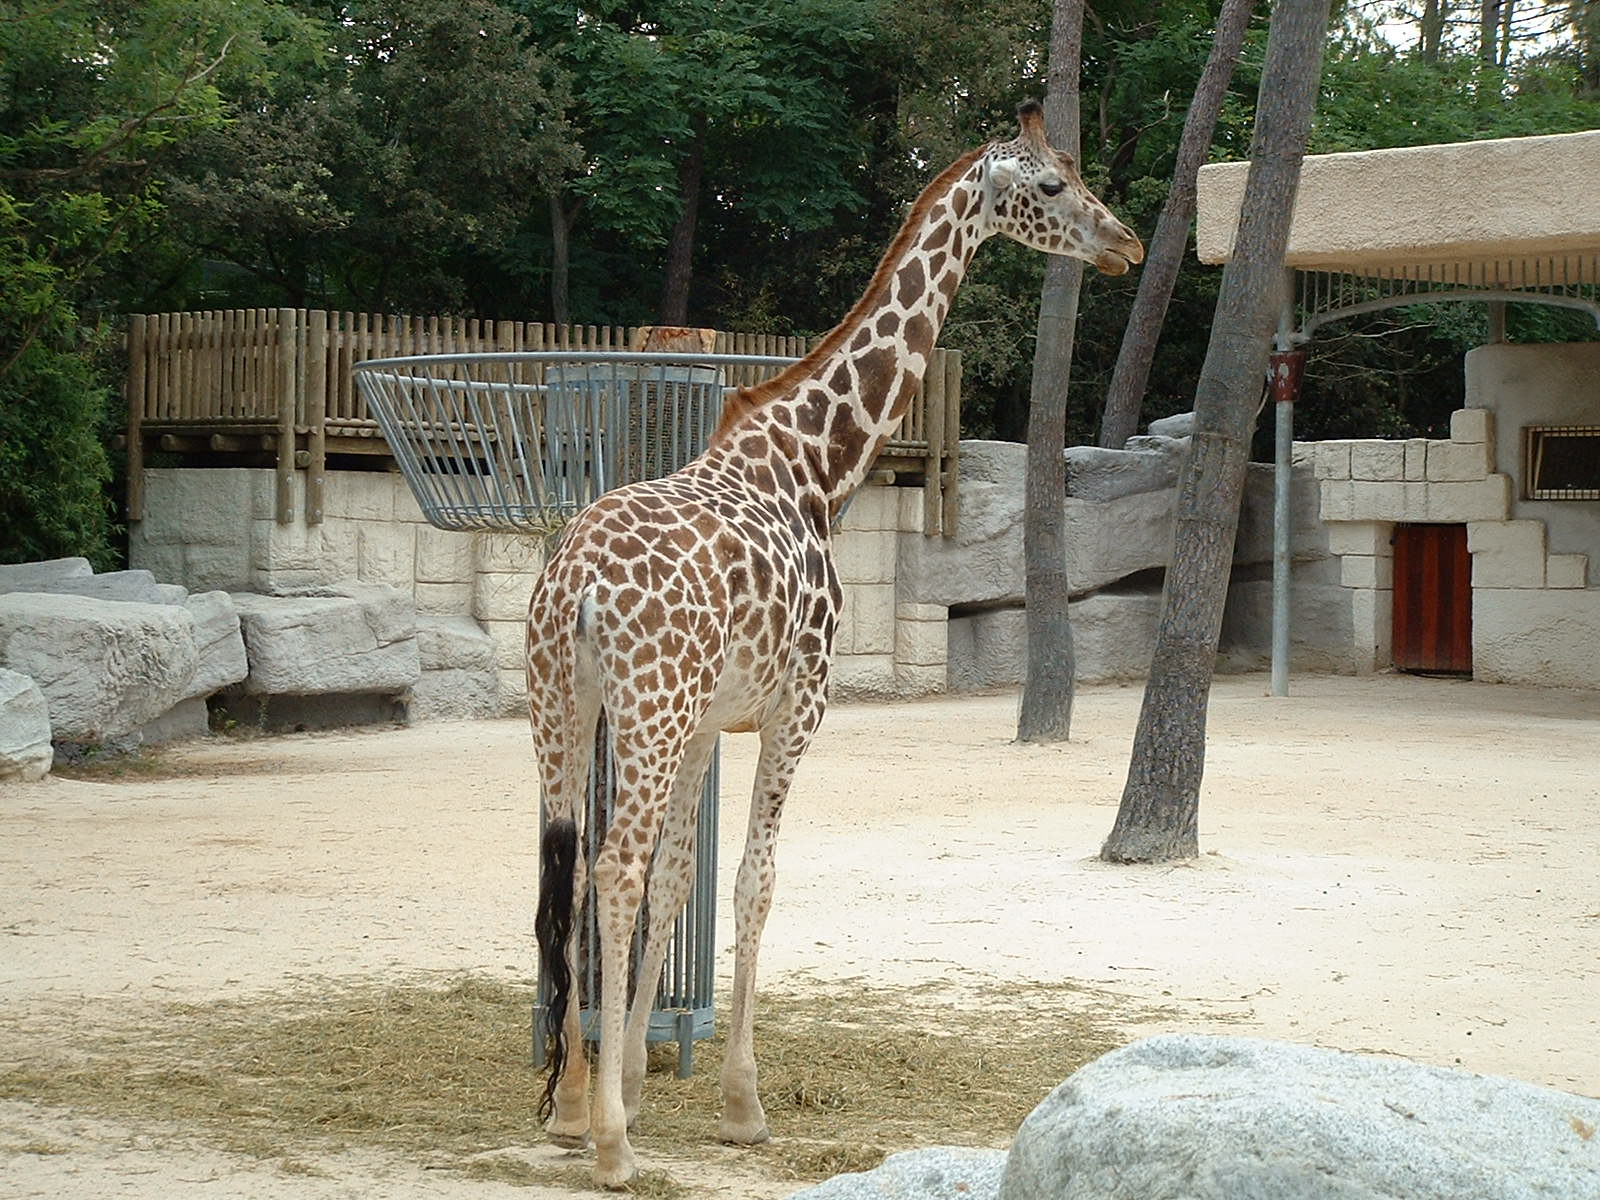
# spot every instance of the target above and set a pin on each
(1535, 616)
(1539, 385)
(215, 529)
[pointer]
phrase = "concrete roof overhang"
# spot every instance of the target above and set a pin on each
(1508, 213)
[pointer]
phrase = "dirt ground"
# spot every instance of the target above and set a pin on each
(1390, 864)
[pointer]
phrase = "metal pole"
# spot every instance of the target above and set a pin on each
(1284, 425)
(1284, 383)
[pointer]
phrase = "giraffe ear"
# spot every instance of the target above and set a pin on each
(1003, 173)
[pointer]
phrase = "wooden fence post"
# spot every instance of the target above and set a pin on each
(952, 442)
(285, 333)
(933, 433)
(135, 392)
(316, 386)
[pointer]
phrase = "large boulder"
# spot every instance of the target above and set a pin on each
(1188, 1117)
(937, 1173)
(38, 576)
(982, 563)
(1114, 634)
(1308, 536)
(106, 668)
(987, 649)
(1120, 532)
(1178, 425)
(25, 750)
(1113, 637)
(346, 638)
(459, 679)
(1111, 540)
(222, 660)
(139, 587)
(1149, 464)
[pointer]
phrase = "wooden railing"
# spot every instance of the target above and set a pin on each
(277, 382)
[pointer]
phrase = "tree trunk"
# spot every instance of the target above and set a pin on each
(1125, 396)
(1159, 814)
(680, 246)
(562, 220)
(1488, 26)
(1046, 714)
(1434, 15)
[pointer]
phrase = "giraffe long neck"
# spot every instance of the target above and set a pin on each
(838, 405)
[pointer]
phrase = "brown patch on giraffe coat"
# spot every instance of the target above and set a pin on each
(909, 283)
(919, 335)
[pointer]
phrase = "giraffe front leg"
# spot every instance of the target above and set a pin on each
(743, 1120)
(671, 879)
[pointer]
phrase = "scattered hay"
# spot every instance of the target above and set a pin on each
(848, 1073)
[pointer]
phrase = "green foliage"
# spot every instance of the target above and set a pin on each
(381, 155)
(91, 95)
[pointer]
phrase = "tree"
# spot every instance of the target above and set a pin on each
(392, 171)
(1158, 817)
(1046, 712)
(1125, 394)
(690, 101)
(91, 97)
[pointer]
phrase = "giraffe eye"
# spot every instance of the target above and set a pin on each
(1051, 187)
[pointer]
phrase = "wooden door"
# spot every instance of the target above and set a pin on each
(1432, 599)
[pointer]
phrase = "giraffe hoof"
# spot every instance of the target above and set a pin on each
(743, 1135)
(618, 1179)
(569, 1135)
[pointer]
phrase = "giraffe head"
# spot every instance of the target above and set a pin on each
(1034, 194)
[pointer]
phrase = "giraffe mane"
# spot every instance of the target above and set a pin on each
(748, 399)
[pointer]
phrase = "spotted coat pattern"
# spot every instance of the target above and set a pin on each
(707, 601)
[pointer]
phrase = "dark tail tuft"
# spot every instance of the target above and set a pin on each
(552, 925)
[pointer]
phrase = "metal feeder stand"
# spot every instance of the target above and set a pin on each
(520, 443)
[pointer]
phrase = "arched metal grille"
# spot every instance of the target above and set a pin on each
(522, 442)
(1560, 281)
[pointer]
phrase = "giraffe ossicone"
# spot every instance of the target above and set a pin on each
(707, 600)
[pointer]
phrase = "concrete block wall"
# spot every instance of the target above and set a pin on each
(884, 647)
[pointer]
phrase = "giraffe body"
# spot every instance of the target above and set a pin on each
(707, 601)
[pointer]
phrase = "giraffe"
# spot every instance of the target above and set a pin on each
(706, 601)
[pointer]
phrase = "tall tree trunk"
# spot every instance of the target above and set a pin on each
(1488, 25)
(1158, 817)
(1046, 714)
(562, 219)
(1125, 396)
(1434, 15)
(1507, 19)
(680, 246)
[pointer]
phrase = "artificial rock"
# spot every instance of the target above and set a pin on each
(937, 1173)
(106, 667)
(1191, 1117)
(25, 750)
(348, 638)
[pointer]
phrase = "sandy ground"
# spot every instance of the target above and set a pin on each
(1392, 864)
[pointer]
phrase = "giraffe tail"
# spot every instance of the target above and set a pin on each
(558, 854)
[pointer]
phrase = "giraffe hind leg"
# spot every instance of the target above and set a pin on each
(563, 883)
(671, 880)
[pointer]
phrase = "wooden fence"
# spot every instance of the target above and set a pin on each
(276, 384)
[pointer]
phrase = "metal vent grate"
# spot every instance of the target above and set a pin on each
(1562, 462)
